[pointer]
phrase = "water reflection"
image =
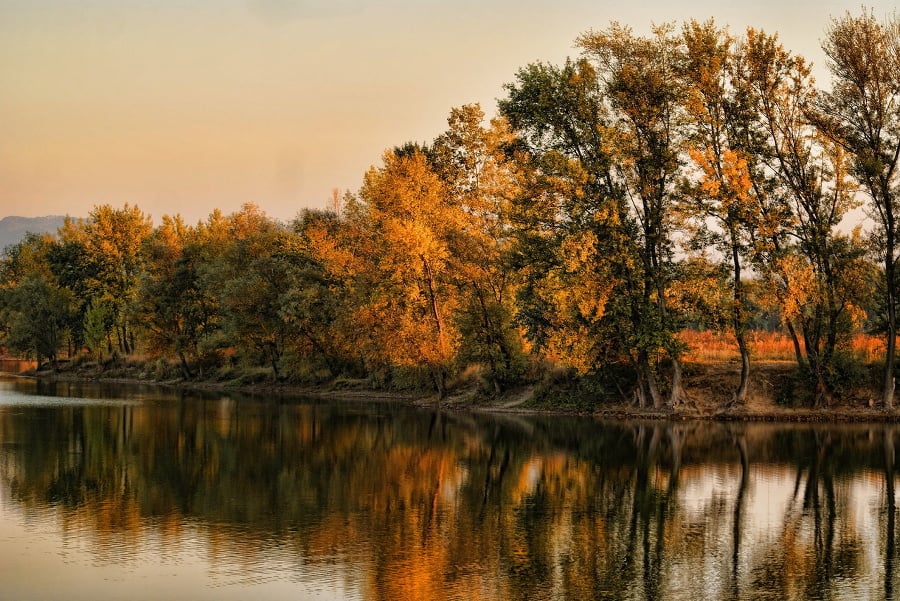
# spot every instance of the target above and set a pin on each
(378, 502)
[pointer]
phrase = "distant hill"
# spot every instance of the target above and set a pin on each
(13, 229)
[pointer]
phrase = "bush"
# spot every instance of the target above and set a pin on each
(845, 377)
(304, 370)
(563, 388)
(792, 390)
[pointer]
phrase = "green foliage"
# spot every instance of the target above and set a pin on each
(490, 340)
(845, 376)
(316, 303)
(98, 321)
(609, 385)
(35, 310)
(40, 314)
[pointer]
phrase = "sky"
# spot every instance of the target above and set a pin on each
(182, 107)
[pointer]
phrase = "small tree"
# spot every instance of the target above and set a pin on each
(97, 325)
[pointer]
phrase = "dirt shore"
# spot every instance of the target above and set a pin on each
(709, 388)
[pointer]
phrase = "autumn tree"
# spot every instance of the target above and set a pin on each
(108, 244)
(821, 274)
(251, 257)
(719, 189)
(325, 305)
(406, 296)
(596, 219)
(178, 312)
(573, 234)
(316, 305)
(640, 79)
(762, 72)
(861, 114)
(481, 179)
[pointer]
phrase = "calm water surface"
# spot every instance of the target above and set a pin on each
(142, 494)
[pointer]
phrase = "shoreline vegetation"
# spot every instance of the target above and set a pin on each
(769, 398)
(624, 235)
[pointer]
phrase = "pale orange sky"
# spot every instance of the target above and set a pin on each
(184, 107)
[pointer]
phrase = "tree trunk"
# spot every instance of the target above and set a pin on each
(274, 356)
(640, 395)
(432, 299)
(823, 394)
(185, 368)
(740, 396)
(439, 378)
(330, 363)
(795, 340)
(437, 370)
(646, 384)
(677, 396)
(490, 340)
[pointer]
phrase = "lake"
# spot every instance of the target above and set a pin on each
(144, 493)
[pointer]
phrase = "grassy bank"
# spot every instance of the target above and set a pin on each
(778, 392)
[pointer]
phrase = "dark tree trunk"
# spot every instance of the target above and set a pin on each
(740, 396)
(185, 368)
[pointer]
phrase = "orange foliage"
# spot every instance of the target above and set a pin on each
(709, 346)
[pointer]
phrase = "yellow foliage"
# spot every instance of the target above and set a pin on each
(725, 178)
(798, 285)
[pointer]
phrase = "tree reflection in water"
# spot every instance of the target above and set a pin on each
(411, 505)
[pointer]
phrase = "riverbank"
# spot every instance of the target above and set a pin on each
(709, 387)
(774, 396)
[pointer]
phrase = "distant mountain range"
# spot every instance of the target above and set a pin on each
(13, 229)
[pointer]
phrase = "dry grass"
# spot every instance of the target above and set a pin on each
(714, 347)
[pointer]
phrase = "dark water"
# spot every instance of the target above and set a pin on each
(137, 494)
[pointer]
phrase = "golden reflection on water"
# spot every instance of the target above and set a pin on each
(229, 499)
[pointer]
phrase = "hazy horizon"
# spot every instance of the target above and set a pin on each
(186, 109)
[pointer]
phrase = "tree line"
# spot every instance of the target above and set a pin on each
(688, 177)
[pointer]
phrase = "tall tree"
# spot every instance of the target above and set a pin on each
(482, 179)
(640, 77)
(249, 274)
(574, 236)
(177, 311)
(861, 113)
(759, 158)
(822, 273)
(719, 191)
(316, 304)
(111, 239)
(408, 298)
(76, 270)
